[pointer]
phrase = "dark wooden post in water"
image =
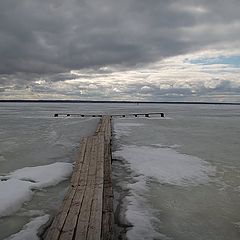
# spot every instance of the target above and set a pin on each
(87, 209)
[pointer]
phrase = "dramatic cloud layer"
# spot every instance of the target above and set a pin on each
(152, 50)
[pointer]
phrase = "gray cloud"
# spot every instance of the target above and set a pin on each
(106, 41)
(56, 36)
(90, 86)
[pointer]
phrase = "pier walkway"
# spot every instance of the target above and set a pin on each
(156, 114)
(87, 210)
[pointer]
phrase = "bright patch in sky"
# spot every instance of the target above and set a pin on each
(228, 60)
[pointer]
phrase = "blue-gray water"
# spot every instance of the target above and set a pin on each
(177, 178)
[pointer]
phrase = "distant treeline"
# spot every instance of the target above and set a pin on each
(134, 102)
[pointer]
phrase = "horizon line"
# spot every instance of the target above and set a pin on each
(114, 101)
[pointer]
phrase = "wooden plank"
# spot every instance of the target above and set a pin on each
(95, 221)
(100, 160)
(107, 218)
(79, 163)
(60, 218)
(84, 215)
(71, 219)
(55, 229)
(105, 123)
(102, 124)
(82, 224)
(107, 130)
(99, 126)
(92, 169)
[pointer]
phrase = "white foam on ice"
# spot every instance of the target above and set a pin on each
(30, 230)
(122, 128)
(16, 188)
(166, 165)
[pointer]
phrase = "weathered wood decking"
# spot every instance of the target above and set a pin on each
(87, 210)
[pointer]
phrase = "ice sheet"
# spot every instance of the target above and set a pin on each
(30, 213)
(140, 214)
(16, 188)
(167, 165)
(13, 194)
(44, 176)
(30, 230)
(164, 165)
(122, 128)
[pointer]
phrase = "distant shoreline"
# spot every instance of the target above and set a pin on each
(104, 101)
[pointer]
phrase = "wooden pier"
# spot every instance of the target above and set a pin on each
(87, 210)
(160, 114)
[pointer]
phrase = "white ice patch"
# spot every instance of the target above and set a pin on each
(16, 188)
(30, 230)
(237, 224)
(166, 146)
(13, 193)
(140, 214)
(166, 165)
(124, 128)
(44, 176)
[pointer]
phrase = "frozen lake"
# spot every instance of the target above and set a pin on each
(174, 178)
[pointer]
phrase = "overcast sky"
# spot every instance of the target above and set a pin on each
(158, 50)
